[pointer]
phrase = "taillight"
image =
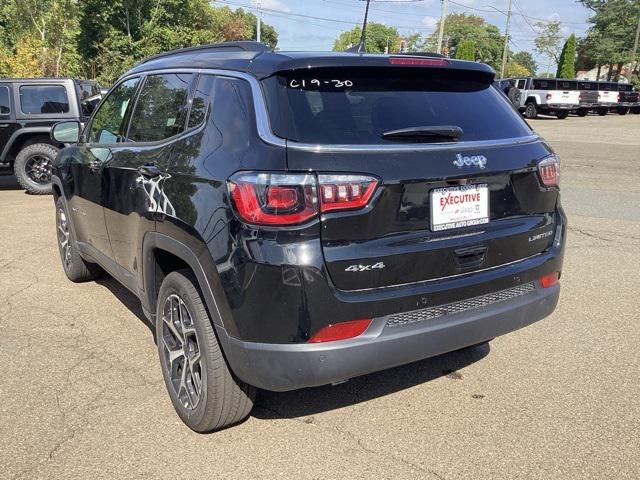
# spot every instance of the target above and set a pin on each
(549, 96)
(342, 192)
(420, 62)
(549, 171)
(281, 199)
(549, 280)
(341, 331)
(274, 199)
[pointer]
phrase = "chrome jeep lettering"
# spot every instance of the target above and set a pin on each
(475, 160)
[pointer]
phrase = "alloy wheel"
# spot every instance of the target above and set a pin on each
(64, 239)
(38, 169)
(181, 352)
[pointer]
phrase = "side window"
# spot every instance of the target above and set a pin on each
(5, 103)
(106, 126)
(160, 111)
(201, 101)
(39, 99)
(521, 84)
(232, 110)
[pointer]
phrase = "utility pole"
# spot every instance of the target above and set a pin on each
(505, 51)
(259, 25)
(443, 13)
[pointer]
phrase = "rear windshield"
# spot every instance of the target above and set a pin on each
(339, 106)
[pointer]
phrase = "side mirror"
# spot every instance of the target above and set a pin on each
(66, 132)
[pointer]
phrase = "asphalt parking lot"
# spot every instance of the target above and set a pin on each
(81, 392)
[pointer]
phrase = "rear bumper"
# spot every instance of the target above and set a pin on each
(281, 367)
(561, 107)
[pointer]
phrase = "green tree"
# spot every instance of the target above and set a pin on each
(566, 64)
(514, 69)
(610, 38)
(378, 38)
(486, 38)
(466, 50)
(115, 34)
(525, 59)
(549, 39)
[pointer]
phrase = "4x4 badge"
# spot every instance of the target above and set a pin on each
(477, 160)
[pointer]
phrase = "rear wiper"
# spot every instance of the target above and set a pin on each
(430, 134)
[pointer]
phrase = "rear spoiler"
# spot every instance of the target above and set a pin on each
(266, 65)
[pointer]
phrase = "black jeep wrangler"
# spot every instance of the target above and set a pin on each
(294, 219)
(29, 107)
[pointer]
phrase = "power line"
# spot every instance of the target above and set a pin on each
(312, 17)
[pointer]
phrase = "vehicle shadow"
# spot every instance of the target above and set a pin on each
(310, 401)
(128, 299)
(9, 182)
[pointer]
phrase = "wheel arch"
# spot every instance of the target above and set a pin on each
(25, 137)
(162, 254)
(533, 99)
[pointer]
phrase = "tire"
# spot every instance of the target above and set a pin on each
(635, 110)
(562, 115)
(623, 111)
(531, 111)
(514, 95)
(582, 112)
(75, 267)
(208, 396)
(33, 168)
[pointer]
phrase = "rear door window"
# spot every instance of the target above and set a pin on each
(161, 109)
(43, 99)
(340, 106)
(201, 101)
(522, 84)
(5, 101)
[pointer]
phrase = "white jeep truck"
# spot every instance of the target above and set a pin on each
(547, 96)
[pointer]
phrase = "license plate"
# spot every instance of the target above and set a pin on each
(461, 206)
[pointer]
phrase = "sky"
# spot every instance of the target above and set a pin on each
(298, 31)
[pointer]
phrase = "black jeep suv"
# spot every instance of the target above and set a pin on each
(297, 219)
(29, 107)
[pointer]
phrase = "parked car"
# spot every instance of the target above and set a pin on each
(28, 109)
(607, 97)
(295, 219)
(628, 99)
(547, 96)
(507, 86)
(588, 97)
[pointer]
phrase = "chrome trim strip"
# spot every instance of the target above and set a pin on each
(449, 277)
(412, 147)
(266, 134)
(262, 116)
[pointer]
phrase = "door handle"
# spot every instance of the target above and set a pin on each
(150, 170)
(94, 166)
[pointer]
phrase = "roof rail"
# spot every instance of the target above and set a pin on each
(246, 46)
